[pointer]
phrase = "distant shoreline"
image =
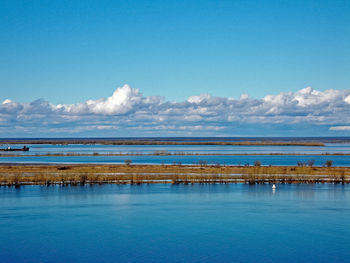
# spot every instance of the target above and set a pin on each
(169, 154)
(81, 174)
(162, 142)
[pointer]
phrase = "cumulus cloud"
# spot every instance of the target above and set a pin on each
(122, 101)
(126, 109)
(340, 128)
(347, 99)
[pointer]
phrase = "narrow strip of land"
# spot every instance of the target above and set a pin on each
(159, 142)
(169, 154)
(21, 174)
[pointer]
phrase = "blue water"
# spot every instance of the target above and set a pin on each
(332, 145)
(338, 160)
(147, 149)
(175, 223)
(199, 139)
(227, 159)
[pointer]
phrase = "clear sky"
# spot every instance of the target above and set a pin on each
(174, 68)
(72, 51)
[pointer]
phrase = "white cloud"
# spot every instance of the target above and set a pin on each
(340, 128)
(121, 102)
(198, 99)
(244, 96)
(347, 99)
(128, 109)
(7, 101)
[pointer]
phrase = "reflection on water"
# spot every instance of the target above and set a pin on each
(175, 223)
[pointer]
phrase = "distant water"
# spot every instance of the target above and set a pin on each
(331, 147)
(211, 139)
(147, 149)
(341, 160)
(175, 223)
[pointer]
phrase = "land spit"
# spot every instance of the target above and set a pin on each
(81, 174)
(165, 153)
(160, 142)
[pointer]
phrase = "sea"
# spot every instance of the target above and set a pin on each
(175, 223)
(338, 147)
(178, 223)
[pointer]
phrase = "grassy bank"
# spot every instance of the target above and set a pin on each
(16, 175)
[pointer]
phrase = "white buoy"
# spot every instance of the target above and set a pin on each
(273, 186)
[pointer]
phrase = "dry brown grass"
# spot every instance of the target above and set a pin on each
(168, 154)
(15, 175)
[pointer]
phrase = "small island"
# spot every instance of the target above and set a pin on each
(81, 174)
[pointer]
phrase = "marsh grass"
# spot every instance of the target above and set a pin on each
(17, 175)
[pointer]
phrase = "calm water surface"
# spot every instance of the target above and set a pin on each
(338, 160)
(307, 151)
(147, 149)
(167, 223)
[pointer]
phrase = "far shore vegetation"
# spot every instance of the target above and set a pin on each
(82, 174)
(164, 153)
(161, 142)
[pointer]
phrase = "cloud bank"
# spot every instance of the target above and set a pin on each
(340, 128)
(128, 113)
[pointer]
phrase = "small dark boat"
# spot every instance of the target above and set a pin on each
(9, 149)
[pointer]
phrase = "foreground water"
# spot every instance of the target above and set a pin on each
(175, 223)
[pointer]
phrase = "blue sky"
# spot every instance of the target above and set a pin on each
(69, 52)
